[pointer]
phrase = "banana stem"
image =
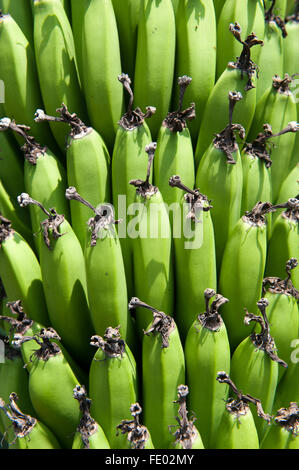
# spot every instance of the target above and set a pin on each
(176, 182)
(111, 344)
(288, 418)
(144, 188)
(280, 286)
(87, 426)
(72, 195)
(126, 82)
(270, 16)
(183, 83)
(185, 429)
(22, 423)
(137, 433)
(211, 319)
(77, 126)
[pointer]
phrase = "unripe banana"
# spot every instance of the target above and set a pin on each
(219, 175)
(155, 58)
(196, 53)
(254, 364)
(289, 187)
(29, 432)
(283, 434)
(250, 15)
(218, 5)
(290, 56)
(20, 272)
(238, 76)
(22, 15)
(56, 63)
(89, 434)
(194, 254)
(186, 435)
(64, 281)
(163, 369)
(278, 7)
(207, 350)
(150, 231)
(237, 428)
(97, 47)
(138, 435)
(112, 384)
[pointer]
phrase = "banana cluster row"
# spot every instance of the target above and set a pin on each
(119, 224)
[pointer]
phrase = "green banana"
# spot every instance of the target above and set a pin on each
(207, 350)
(175, 4)
(290, 7)
(283, 243)
(138, 435)
(278, 7)
(219, 175)
(20, 272)
(290, 56)
(150, 232)
(174, 154)
(283, 314)
(163, 370)
(289, 187)
(242, 269)
(98, 52)
(186, 435)
(277, 108)
(238, 76)
(218, 5)
(288, 387)
(19, 75)
(51, 384)
(128, 162)
(89, 434)
(250, 15)
(196, 53)
(237, 427)
(194, 255)
(22, 15)
(64, 281)
(105, 272)
(283, 434)
(127, 16)
(114, 368)
(29, 432)
(155, 58)
(56, 63)
(87, 165)
(254, 363)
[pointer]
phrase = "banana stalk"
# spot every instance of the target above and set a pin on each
(186, 435)
(237, 427)
(137, 434)
(242, 269)
(155, 59)
(207, 350)
(89, 434)
(194, 254)
(196, 53)
(219, 175)
(278, 7)
(238, 76)
(64, 281)
(163, 370)
(283, 434)
(254, 364)
(114, 367)
(29, 433)
(99, 62)
(56, 63)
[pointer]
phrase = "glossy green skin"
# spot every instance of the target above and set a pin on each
(99, 62)
(65, 287)
(242, 272)
(289, 188)
(113, 388)
(51, 385)
(88, 170)
(256, 182)
(250, 15)
(255, 374)
(174, 156)
(236, 432)
(290, 55)
(288, 387)
(152, 259)
(129, 162)
(222, 183)
(163, 370)
(283, 245)
(97, 440)
(39, 438)
(195, 269)
(215, 115)
(206, 353)
(155, 58)
(279, 438)
(218, 5)
(21, 275)
(277, 110)
(53, 39)
(21, 14)
(270, 59)
(196, 54)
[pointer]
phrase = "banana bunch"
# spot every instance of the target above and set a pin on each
(149, 209)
